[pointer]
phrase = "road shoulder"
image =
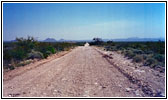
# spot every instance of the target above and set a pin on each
(151, 82)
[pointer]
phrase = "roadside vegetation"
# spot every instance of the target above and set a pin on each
(24, 51)
(148, 53)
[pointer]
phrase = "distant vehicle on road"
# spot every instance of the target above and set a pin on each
(86, 44)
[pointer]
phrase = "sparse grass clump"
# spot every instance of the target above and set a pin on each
(137, 51)
(35, 54)
(129, 54)
(110, 48)
(22, 63)
(150, 62)
(159, 57)
(138, 58)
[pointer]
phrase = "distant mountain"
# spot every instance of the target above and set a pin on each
(9, 41)
(62, 40)
(135, 39)
(13, 40)
(131, 39)
(49, 40)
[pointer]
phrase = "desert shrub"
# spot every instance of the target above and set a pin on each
(22, 63)
(161, 64)
(156, 47)
(7, 54)
(148, 52)
(111, 48)
(61, 46)
(12, 65)
(35, 54)
(107, 48)
(122, 48)
(66, 49)
(97, 41)
(19, 53)
(122, 45)
(111, 43)
(144, 56)
(80, 43)
(138, 58)
(118, 47)
(150, 62)
(18, 50)
(48, 52)
(129, 54)
(51, 49)
(123, 51)
(45, 48)
(136, 51)
(159, 57)
(26, 44)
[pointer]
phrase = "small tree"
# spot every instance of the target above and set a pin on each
(97, 41)
(23, 46)
(26, 44)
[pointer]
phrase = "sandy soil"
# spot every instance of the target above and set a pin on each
(84, 72)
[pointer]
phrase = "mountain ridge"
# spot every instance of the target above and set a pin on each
(130, 39)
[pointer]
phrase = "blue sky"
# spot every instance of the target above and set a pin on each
(79, 21)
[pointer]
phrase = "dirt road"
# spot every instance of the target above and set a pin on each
(83, 72)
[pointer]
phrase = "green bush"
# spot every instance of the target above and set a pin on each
(19, 53)
(150, 62)
(7, 54)
(145, 56)
(46, 48)
(136, 51)
(51, 49)
(138, 58)
(159, 57)
(26, 44)
(18, 50)
(22, 63)
(11, 67)
(35, 54)
(129, 54)
(111, 48)
(148, 52)
(161, 64)
(47, 53)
